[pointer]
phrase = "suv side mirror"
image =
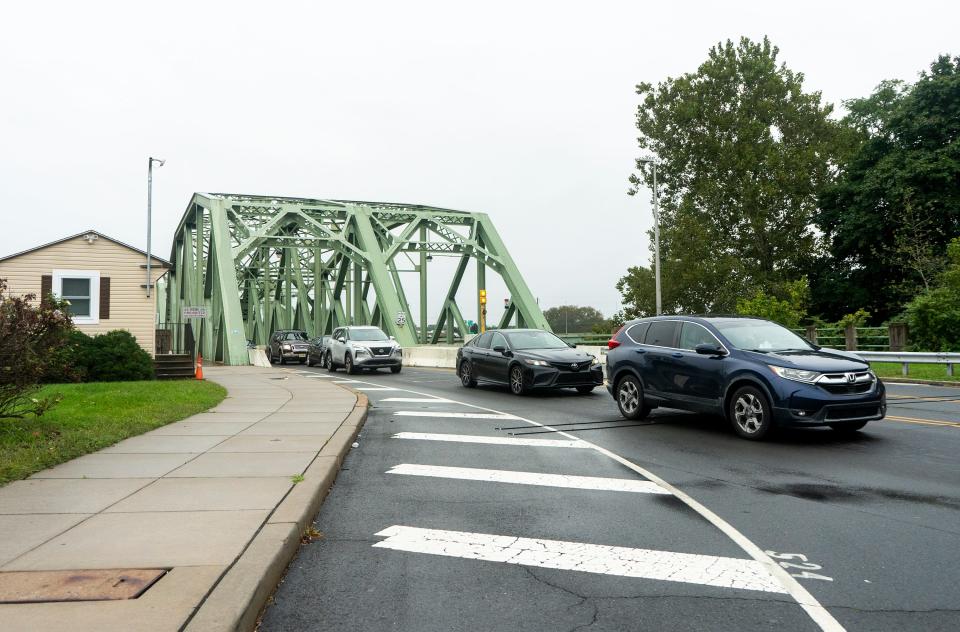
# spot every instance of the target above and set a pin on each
(705, 348)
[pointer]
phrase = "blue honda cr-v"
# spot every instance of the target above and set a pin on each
(754, 372)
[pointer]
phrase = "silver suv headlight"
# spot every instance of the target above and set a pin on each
(361, 351)
(797, 375)
(398, 350)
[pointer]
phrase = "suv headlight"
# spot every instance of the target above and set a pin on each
(285, 347)
(536, 362)
(797, 375)
(361, 351)
(398, 350)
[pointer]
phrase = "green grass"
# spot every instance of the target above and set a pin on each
(94, 416)
(936, 372)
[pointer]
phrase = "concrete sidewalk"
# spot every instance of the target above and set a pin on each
(212, 499)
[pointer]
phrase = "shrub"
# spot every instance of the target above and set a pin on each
(114, 357)
(30, 336)
(934, 315)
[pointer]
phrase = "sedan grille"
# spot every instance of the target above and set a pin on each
(572, 366)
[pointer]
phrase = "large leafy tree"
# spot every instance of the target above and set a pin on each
(573, 318)
(896, 205)
(744, 153)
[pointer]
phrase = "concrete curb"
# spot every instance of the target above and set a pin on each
(235, 603)
(907, 380)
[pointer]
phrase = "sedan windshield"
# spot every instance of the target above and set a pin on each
(760, 335)
(534, 340)
(368, 335)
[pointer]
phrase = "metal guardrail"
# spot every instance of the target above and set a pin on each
(906, 358)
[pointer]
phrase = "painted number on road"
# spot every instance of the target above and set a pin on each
(798, 561)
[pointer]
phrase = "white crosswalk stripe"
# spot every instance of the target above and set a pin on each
(431, 413)
(541, 443)
(529, 478)
(689, 568)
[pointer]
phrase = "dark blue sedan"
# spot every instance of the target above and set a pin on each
(755, 373)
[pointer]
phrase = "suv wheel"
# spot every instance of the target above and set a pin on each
(517, 383)
(466, 374)
(750, 413)
(630, 398)
(396, 369)
(348, 365)
(330, 365)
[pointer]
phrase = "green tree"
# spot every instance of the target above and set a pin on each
(896, 204)
(789, 312)
(744, 152)
(572, 318)
(933, 316)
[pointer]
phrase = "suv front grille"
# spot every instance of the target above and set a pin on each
(843, 389)
(847, 383)
(852, 412)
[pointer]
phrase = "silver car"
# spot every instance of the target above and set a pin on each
(355, 348)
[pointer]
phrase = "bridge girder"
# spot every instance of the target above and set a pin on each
(259, 263)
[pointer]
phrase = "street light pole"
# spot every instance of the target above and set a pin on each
(149, 212)
(656, 231)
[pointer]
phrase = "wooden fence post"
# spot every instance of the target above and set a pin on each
(850, 333)
(812, 333)
(898, 336)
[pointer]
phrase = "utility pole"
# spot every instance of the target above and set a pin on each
(656, 231)
(149, 212)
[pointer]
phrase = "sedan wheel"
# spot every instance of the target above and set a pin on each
(466, 374)
(309, 360)
(323, 361)
(630, 398)
(330, 365)
(517, 385)
(750, 413)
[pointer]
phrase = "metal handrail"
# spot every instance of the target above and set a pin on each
(906, 358)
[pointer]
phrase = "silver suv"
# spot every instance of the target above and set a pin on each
(355, 348)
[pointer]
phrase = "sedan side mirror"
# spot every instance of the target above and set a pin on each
(572, 345)
(705, 348)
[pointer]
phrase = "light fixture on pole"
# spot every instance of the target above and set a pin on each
(149, 210)
(656, 230)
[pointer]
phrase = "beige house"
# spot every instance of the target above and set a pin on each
(105, 281)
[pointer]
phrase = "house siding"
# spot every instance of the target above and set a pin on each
(129, 308)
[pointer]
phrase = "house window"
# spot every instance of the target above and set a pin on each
(82, 289)
(77, 293)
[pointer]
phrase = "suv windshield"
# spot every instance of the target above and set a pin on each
(534, 340)
(368, 335)
(295, 335)
(760, 335)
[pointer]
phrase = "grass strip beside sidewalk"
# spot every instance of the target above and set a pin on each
(96, 415)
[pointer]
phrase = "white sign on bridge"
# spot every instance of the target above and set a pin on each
(195, 312)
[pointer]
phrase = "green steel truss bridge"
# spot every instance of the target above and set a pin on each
(256, 264)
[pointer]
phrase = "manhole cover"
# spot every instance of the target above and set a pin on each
(92, 585)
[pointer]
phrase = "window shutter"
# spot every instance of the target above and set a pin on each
(46, 288)
(104, 298)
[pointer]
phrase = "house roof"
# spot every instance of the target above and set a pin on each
(163, 262)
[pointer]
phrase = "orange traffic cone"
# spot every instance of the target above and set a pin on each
(199, 374)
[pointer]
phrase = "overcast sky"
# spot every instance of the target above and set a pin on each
(523, 110)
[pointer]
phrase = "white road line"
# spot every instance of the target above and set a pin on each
(417, 400)
(529, 478)
(347, 382)
(541, 443)
(688, 568)
(820, 615)
(317, 375)
(432, 413)
(375, 388)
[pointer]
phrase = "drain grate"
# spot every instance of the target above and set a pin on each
(91, 585)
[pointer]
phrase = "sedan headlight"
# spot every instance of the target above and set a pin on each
(536, 362)
(797, 375)
(594, 360)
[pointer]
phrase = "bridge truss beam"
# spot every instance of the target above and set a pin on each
(259, 264)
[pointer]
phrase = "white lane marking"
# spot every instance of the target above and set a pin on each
(417, 400)
(529, 478)
(347, 382)
(688, 568)
(820, 615)
(432, 413)
(317, 375)
(375, 388)
(541, 443)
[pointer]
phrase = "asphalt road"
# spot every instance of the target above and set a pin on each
(650, 526)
